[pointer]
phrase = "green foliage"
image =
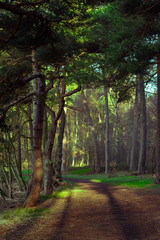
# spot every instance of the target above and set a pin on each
(26, 174)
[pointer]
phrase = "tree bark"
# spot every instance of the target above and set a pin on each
(157, 178)
(117, 157)
(143, 131)
(48, 164)
(135, 134)
(75, 138)
(37, 173)
(107, 140)
(58, 162)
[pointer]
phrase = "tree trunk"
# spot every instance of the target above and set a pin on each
(117, 157)
(19, 162)
(107, 140)
(48, 164)
(143, 131)
(37, 173)
(93, 131)
(58, 162)
(64, 156)
(75, 138)
(135, 134)
(157, 178)
(45, 130)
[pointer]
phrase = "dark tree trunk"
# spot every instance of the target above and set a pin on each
(58, 162)
(117, 149)
(135, 135)
(143, 131)
(48, 164)
(107, 142)
(45, 130)
(157, 179)
(19, 162)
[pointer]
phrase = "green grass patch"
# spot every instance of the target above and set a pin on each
(20, 214)
(64, 191)
(81, 171)
(142, 181)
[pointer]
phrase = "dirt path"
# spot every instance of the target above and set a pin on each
(100, 212)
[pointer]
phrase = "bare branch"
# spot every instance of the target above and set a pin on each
(16, 29)
(4, 111)
(28, 79)
(20, 11)
(74, 91)
(149, 8)
(74, 108)
(51, 112)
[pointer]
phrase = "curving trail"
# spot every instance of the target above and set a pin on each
(99, 212)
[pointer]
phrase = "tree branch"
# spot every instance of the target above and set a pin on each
(74, 91)
(74, 108)
(20, 11)
(51, 112)
(149, 8)
(24, 81)
(4, 111)
(31, 4)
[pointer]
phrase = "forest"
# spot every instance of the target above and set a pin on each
(79, 87)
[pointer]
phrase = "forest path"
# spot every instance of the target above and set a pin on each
(97, 212)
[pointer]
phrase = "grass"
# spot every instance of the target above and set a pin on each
(63, 192)
(20, 214)
(81, 171)
(122, 179)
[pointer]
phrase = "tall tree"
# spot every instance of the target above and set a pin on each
(143, 131)
(135, 135)
(157, 178)
(37, 171)
(107, 138)
(58, 160)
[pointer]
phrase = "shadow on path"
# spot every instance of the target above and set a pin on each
(125, 217)
(61, 225)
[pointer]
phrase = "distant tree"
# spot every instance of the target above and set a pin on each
(135, 135)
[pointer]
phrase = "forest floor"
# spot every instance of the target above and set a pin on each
(94, 211)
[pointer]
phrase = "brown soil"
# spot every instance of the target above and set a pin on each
(101, 212)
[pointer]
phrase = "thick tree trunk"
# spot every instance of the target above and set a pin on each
(157, 179)
(93, 131)
(48, 164)
(37, 173)
(107, 150)
(135, 134)
(58, 162)
(143, 131)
